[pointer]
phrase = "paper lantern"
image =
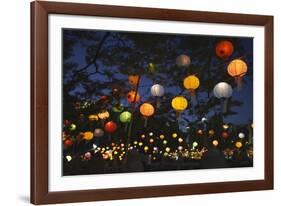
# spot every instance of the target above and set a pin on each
(72, 127)
(237, 68)
(157, 90)
(179, 103)
(93, 117)
(88, 135)
(223, 91)
(98, 132)
(183, 61)
(224, 134)
(241, 135)
(191, 83)
(194, 144)
(238, 145)
(68, 143)
(117, 108)
(110, 127)
(146, 109)
(167, 149)
(211, 132)
(133, 79)
(68, 158)
(215, 143)
(125, 117)
(103, 115)
(133, 97)
(224, 49)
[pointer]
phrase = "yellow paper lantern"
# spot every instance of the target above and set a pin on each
(103, 115)
(88, 135)
(179, 103)
(238, 145)
(215, 142)
(237, 69)
(93, 117)
(191, 83)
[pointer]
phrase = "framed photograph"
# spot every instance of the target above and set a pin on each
(133, 102)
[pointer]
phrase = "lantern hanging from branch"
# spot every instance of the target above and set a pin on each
(191, 83)
(110, 127)
(98, 132)
(223, 91)
(183, 61)
(103, 115)
(147, 110)
(224, 49)
(133, 97)
(237, 68)
(125, 117)
(133, 80)
(157, 91)
(179, 104)
(88, 135)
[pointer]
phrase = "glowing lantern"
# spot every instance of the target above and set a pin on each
(110, 127)
(162, 136)
(133, 97)
(146, 110)
(98, 132)
(72, 127)
(151, 140)
(103, 115)
(88, 135)
(68, 158)
(179, 104)
(151, 68)
(238, 145)
(223, 91)
(215, 143)
(157, 90)
(117, 108)
(146, 148)
(241, 135)
(180, 140)
(224, 49)
(125, 117)
(167, 149)
(183, 61)
(200, 131)
(134, 79)
(93, 117)
(211, 132)
(237, 68)
(224, 135)
(194, 144)
(191, 83)
(165, 142)
(68, 143)
(174, 135)
(225, 126)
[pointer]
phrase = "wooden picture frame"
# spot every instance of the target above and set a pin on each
(39, 102)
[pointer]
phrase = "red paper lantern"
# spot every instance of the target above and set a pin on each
(225, 135)
(68, 143)
(224, 49)
(110, 127)
(133, 96)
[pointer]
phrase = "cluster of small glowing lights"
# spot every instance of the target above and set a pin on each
(174, 135)
(225, 126)
(180, 140)
(68, 158)
(161, 136)
(165, 142)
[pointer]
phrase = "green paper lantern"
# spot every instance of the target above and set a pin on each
(125, 117)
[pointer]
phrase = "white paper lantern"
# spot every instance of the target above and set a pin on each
(241, 135)
(98, 132)
(222, 90)
(183, 61)
(157, 90)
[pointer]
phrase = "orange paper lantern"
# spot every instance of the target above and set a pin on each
(224, 49)
(237, 69)
(146, 109)
(133, 79)
(133, 96)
